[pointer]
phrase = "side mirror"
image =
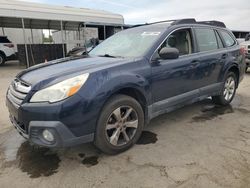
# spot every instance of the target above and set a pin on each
(169, 53)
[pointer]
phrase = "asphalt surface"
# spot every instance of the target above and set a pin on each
(201, 145)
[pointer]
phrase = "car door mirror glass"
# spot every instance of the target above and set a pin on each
(169, 53)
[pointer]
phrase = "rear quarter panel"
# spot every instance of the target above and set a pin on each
(236, 59)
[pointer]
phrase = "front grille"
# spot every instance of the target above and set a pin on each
(17, 124)
(17, 92)
(21, 128)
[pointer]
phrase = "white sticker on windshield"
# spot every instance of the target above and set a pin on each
(150, 33)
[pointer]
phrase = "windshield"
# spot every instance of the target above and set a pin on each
(129, 43)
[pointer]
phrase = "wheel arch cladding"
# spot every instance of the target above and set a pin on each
(236, 71)
(131, 92)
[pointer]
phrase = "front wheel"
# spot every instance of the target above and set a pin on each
(229, 90)
(120, 124)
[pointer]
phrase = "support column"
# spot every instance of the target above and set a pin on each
(62, 38)
(31, 32)
(104, 32)
(25, 45)
(84, 35)
(3, 31)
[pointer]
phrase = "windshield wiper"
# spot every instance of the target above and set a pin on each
(111, 56)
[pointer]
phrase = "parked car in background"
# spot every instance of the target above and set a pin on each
(83, 50)
(240, 40)
(7, 51)
(246, 47)
(135, 75)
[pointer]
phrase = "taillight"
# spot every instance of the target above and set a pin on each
(9, 45)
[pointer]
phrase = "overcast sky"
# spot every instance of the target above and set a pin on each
(235, 13)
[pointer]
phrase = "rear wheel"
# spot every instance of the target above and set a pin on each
(120, 124)
(2, 59)
(228, 92)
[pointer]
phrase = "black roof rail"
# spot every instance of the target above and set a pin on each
(184, 21)
(174, 22)
(138, 25)
(177, 21)
(213, 23)
(187, 21)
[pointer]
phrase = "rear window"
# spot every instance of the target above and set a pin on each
(206, 39)
(228, 39)
(4, 40)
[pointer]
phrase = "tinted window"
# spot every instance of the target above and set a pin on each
(181, 39)
(206, 39)
(220, 43)
(229, 41)
(4, 40)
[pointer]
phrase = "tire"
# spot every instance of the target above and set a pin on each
(2, 59)
(122, 117)
(228, 90)
(246, 69)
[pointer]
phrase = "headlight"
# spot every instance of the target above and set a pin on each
(61, 90)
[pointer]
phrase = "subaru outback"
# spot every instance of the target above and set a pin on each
(138, 74)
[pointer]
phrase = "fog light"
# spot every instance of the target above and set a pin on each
(48, 136)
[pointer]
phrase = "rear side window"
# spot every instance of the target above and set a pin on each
(220, 43)
(206, 39)
(228, 39)
(4, 40)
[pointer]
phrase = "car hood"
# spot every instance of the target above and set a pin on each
(67, 66)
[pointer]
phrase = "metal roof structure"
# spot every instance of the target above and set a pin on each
(28, 15)
(40, 16)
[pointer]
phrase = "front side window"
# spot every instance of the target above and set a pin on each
(229, 41)
(206, 39)
(181, 39)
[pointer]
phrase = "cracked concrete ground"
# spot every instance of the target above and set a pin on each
(200, 145)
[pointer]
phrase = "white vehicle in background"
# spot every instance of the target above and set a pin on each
(7, 51)
(246, 46)
(241, 40)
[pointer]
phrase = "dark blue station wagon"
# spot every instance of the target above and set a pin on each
(135, 75)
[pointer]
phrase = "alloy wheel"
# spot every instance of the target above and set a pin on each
(121, 126)
(1, 59)
(229, 88)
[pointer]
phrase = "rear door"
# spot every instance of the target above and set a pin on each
(212, 58)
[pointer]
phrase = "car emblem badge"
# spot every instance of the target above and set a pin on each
(16, 84)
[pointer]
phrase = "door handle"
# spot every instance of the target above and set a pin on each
(194, 63)
(224, 56)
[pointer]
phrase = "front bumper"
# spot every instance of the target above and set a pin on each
(63, 136)
(30, 120)
(11, 57)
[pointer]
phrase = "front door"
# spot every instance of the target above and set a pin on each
(172, 80)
